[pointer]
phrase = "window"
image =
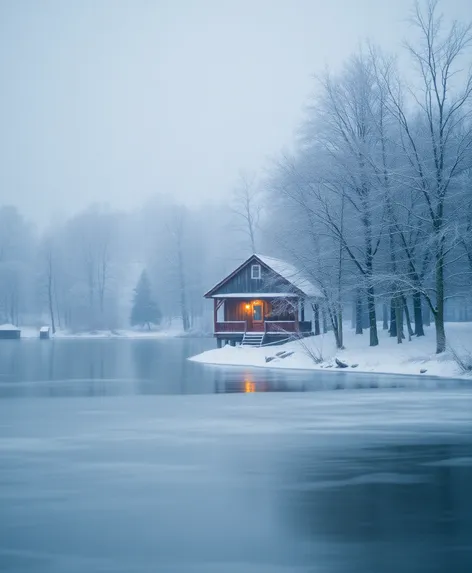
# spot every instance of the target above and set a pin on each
(255, 271)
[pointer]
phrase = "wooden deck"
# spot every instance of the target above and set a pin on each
(274, 327)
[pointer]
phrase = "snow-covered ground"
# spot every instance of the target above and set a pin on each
(389, 357)
(8, 326)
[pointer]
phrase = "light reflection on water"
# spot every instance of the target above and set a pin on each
(129, 469)
(108, 367)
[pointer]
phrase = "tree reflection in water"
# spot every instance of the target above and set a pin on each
(387, 509)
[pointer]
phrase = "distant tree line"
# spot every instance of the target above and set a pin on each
(81, 273)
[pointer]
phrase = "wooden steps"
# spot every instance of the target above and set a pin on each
(253, 339)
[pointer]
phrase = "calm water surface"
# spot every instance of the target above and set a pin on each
(121, 455)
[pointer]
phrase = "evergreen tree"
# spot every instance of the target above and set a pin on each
(145, 309)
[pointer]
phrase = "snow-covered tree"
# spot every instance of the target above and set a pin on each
(434, 120)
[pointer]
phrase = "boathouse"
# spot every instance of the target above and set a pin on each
(9, 331)
(262, 301)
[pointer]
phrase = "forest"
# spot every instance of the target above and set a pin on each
(373, 203)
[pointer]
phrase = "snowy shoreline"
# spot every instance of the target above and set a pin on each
(415, 358)
(29, 333)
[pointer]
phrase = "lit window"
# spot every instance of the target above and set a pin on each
(255, 271)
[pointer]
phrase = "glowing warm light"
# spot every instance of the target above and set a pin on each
(249, 386)
(248, 306)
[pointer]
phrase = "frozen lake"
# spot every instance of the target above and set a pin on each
(120, 455)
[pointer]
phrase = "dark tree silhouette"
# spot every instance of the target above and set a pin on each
(145, 310)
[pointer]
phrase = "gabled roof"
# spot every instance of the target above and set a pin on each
(301, 285)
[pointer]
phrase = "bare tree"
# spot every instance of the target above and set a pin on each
(246, 205)
(346, 132)
(177, 232)
(49, 263)
(437, 139)
(318, 256)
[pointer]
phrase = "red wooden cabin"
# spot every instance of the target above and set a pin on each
(261, 301)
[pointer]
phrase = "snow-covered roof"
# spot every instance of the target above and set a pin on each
(291, 274)
(8, 327)
(281, 268)
(44, 329)
(255, 295)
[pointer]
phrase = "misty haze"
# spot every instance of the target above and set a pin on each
(235, 286)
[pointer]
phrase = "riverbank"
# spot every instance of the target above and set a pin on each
(414, 357)
(32, 332)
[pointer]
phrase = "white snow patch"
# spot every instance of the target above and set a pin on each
(255, 295)
(32, 332)
(8, 326)
(388, 358)
(119, 333)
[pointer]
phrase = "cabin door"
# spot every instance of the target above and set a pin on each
(258, 316)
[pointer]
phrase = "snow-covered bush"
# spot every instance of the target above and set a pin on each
(463, 359)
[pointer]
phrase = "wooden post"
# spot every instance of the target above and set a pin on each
(215, 311)
(302, 310)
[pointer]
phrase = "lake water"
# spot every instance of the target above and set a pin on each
(121, 455)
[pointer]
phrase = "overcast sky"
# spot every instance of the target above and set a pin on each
(115, 100)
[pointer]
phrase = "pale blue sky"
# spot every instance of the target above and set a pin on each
(114, 100)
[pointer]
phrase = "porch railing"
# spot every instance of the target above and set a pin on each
(274, 326)
(234, 326)
(269, 326)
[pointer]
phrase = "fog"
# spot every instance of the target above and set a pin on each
(147, 149)
(114, 101)
(175, 139)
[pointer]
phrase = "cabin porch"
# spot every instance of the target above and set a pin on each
(276, 319)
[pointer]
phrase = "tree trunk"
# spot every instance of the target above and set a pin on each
(340, 329)
(51, 304)
(183, 295)
(358, 314)
(374, 339)
(316, 318)
(399, 319)
(418, 314)
(385, 316)
(393, 319)
(439, 314)
(251, 235)
(325, 321)
(407, 317)
(338, 333)
(427, 315)
(58, 313)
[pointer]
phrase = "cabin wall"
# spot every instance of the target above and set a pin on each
(235, 309)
